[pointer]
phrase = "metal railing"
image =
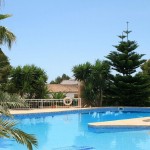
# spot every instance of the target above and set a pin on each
(53, 103)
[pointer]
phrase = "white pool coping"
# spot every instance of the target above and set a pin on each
(44, 110)
(144, 121)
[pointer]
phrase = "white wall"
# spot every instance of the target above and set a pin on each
(71, 95)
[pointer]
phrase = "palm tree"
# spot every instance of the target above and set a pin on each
(100, 75)
(8, 130)
(94, 78)
(7, 127)
(6, 36)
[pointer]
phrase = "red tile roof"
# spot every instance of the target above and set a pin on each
(63, 88)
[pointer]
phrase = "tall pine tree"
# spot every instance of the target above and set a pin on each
(128, 88)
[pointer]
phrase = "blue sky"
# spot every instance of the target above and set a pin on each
(59, 34)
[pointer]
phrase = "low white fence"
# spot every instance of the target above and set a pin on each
(54, 103)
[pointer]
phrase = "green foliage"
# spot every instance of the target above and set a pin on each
(146, 68)
(127, 89)
(28, 81)
(125, 60)
(94, 78)
(58, 95)
(4, 69)
(82, 71)
(59, 79)
(10, 101)
(130, 90)
(7, 127)
(6, 37)
(146, 73)
(8, 130)
(4, 16)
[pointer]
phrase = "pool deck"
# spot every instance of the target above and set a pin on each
(44, 110)
(136, 122)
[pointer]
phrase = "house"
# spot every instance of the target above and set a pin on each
(69, 87)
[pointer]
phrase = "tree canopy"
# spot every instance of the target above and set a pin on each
(59, 79)
(94, 78)
(6, 36)
(8, 127)
(5, 68)
(28, 81)
(127, 88)
(146, 67)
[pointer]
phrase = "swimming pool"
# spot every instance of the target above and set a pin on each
(69, 131)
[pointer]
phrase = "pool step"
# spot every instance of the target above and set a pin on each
(136, 122)
(120, 125)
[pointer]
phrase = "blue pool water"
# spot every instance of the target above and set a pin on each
(69, 131)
